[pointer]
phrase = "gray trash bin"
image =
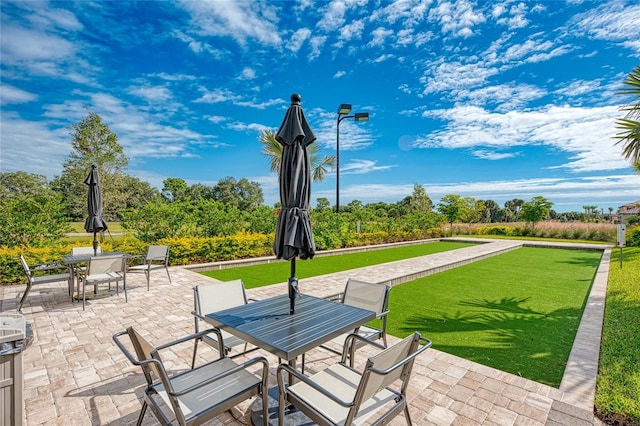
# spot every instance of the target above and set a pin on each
(15, 336)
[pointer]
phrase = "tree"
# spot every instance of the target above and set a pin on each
(512, 209)
(273, 149)
(243, 194)
(322, 203)
(451, 207)
(418, 201)
(93, 143)
(536, 210)
(629, 125)
(174, 189)
(30, 213)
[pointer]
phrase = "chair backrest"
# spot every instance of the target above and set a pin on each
(145, 351)
(105, 264)
(216, 297)
(84, 250)
(370, 296)
(157, 253)
(393, 363)
(25, 266)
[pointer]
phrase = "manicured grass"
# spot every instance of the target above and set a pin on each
(517, 312)
(113, 227)
(617, 398)
(273, 273)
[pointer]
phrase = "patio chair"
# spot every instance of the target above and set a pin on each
(365, 295)
(33, 279)
(216, 297)
(157, 257)
(196, 395)
(342, 395)
(104, 269)
(84, 250)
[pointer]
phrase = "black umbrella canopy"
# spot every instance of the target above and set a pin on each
(294, 237)
(94, 223)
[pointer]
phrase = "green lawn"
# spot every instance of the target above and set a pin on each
(273, 273)
(518, 312)
(617, 397)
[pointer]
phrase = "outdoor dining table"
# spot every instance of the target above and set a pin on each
(267, 324)
(73, 260)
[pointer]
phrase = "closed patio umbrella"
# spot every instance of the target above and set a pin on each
(94, 223)
(294, 237)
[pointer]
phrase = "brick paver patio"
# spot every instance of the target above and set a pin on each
(75, 375)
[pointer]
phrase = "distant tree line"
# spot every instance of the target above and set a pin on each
(36, 212)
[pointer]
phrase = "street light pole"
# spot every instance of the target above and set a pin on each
(343, 112)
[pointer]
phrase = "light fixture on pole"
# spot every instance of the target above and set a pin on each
(343, 112)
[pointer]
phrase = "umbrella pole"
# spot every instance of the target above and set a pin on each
(293, 287)
(95, 244)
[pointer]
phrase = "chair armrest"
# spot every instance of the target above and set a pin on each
(337, 297)
(193, 336)
(48, 266)
(383, 314)
(286, 368)
(349, 347)
(422, 348)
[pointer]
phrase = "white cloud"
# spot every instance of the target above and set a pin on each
(241, 20)
(297, 39)
(247, 74)
(352, 31)
(486, 154)
(584, 133)
(217, 119)
(339, 74)
(613, 21)
(198, 46)
(12, 95)
(379, 35)
(151, 94)
(362, 167)
(456, 18)
(316, 46)
(333, 16)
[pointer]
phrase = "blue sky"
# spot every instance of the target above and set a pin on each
(492, 99)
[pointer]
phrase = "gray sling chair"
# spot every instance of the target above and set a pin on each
(33, 279)
(104, 269)
(342, 395)
(196, 395)
(371, 296)
(216, 297)
(157, 257)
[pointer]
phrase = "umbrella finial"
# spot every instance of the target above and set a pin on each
(295, 99)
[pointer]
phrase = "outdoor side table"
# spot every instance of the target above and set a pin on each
(268, 325)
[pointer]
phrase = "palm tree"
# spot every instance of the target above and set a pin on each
(629, 125)
(273, 149)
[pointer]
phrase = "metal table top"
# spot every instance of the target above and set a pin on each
(71, 259)
(268, 325)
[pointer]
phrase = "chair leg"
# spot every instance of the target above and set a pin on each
(195, 348)
(406, 415)
(124, 286)
(148, 272)
(167, 269)
(142, 411)
(24, 297)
